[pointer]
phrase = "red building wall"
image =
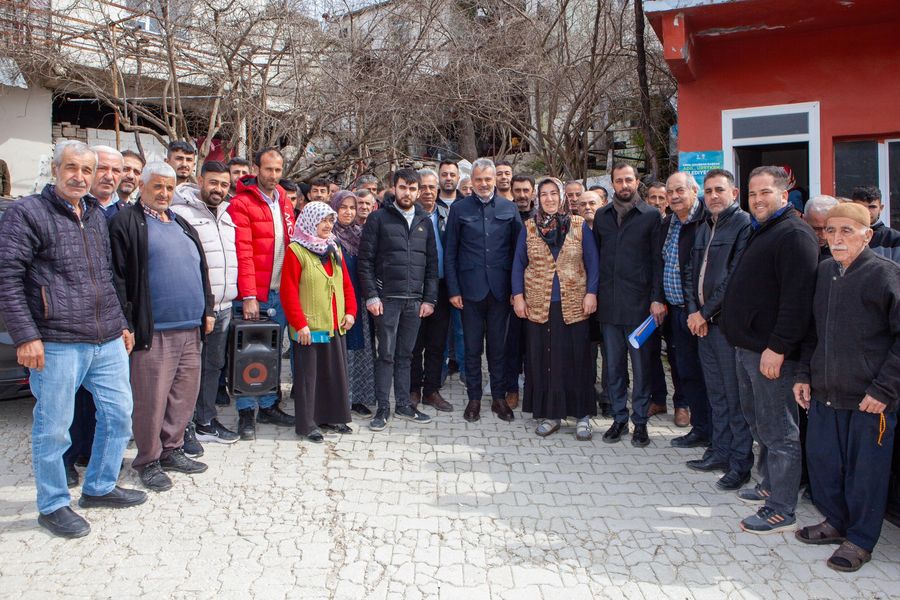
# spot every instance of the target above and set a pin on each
(853, 72)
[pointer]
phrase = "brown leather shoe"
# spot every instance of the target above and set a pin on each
(502, 410)
(682, 417)
(473, 411)
(415, 398)
(657, 409)
(437, 401)
(512, 400)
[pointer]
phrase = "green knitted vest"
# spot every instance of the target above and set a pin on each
(317, 288)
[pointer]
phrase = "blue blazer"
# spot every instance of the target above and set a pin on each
(481, 244)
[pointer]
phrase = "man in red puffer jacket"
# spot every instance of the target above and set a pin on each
(264, 218)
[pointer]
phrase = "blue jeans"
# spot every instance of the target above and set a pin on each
(771, 413)
(274, 302)
(103, 370)
(615, 340)
(731, 439)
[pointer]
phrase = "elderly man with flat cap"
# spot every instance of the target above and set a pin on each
(849, 381)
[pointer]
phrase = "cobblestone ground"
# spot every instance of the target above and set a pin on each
(451, 510)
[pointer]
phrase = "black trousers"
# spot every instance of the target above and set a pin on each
(686, 358)
(849, 470)
(658, 386)
(485, 319)
(428, 353)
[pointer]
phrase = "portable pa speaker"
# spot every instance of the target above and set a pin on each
(255, 365)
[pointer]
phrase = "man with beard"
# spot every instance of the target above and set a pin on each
(398, 272)
(885, 241)
(205, 207)
(448, 178)
(766, 312)
(590, 202)
(183, 158)
(264, 221)
(131, 174)
(482, 231)
(523, 196)
(504, 179)
(626, 230)
(238, 167)
(428, 354)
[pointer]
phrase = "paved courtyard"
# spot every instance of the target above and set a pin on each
(451, 510)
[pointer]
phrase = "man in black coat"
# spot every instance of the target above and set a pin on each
(849, 380)
(163, 284)
(718, 245)
(626, 231)
(885, 241)
(60, 307)
(765, 315)
(482, 232)
(398, 272)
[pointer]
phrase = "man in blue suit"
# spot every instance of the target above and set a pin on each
(482, 231)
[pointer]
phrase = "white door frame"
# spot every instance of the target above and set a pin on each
(812, 138)
(884, 178)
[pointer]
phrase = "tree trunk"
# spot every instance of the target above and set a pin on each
(468, 147)
(644, 87)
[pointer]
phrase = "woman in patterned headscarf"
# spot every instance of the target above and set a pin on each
(360, 341)
(320, 305)
(556, 273)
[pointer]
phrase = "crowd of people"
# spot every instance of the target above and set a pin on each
(119, 283)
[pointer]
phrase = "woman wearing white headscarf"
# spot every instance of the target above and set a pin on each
(556, 273)
(320, 305)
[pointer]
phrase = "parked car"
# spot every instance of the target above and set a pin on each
(13, 376)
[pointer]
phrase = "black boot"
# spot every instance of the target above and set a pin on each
(246, 424)
(275, 416)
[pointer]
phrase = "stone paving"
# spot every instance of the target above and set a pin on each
(451, 510)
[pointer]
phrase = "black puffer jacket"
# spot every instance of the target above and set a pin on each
(397, 260)
(885, 241)
(56, 283)
(726, 239)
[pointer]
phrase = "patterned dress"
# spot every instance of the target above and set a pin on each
(360, 346)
